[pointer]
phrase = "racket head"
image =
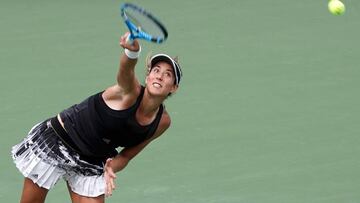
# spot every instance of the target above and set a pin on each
(142, 24)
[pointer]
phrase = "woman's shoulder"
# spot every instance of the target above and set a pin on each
(118, 98)
(164, 124)
(116, 91)
(165, 121)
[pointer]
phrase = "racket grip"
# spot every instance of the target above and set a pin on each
(129, 39)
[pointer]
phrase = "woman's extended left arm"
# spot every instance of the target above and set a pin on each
(120, 161)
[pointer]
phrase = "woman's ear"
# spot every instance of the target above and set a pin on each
(146, 78)
(174, 89)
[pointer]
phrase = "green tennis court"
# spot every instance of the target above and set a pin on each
(267, 112)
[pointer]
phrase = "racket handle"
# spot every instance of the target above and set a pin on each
(129, 39)
(131, 54)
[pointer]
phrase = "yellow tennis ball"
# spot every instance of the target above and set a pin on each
(336, 7)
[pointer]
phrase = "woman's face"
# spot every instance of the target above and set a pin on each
(161, 79)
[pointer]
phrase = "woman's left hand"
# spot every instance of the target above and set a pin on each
(134, 46)
(109, 176)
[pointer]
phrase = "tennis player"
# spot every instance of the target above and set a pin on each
(79, 144)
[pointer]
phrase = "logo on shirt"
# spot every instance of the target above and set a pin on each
(107, 141)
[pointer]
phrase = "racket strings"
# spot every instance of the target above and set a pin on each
(144, 23)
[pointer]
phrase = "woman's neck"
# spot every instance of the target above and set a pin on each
(149, 106)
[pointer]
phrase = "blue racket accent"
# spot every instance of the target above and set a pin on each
(144, 20)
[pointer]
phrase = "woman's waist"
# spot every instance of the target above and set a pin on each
(60, 121)
(58, 126)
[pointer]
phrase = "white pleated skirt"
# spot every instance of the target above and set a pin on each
(43, 158)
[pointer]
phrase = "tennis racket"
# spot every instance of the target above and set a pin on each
(142, 24)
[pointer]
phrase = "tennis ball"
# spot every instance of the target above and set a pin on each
(336, 7)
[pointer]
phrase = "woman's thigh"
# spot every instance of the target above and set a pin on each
(33, 193)
(76, 198)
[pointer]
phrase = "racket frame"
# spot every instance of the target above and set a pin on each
(136, 32)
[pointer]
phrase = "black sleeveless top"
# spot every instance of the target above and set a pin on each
(95, 130)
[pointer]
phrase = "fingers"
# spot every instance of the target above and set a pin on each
(134, 46)
(110, 185)
(109, 176)
(123, 40)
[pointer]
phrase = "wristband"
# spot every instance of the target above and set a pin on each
(133, 54)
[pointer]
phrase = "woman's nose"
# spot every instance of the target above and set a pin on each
(159, 77)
